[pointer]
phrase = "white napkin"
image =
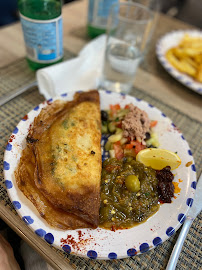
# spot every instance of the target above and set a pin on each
(80, 73)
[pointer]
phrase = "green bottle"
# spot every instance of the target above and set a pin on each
(98, 12)
(41, 22)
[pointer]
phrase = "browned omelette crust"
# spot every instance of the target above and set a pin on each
(25, 180)
(66, 144)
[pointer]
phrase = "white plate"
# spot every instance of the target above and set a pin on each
(168, 41)
(99, 243)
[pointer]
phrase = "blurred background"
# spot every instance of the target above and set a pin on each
(188, 11)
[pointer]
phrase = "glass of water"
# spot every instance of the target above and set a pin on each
(129, 30)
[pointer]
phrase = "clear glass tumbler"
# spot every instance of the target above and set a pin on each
(129, 30)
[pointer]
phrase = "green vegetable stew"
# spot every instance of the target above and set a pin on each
(128, 193)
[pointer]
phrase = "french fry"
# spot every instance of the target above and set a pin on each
(198, 59)
(187, 57)
(190, 42)
(198, 75)
(181, 65)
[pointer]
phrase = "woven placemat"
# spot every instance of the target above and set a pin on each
(18, 74)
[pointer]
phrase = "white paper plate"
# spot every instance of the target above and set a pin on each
(168, 41)
(99, 243)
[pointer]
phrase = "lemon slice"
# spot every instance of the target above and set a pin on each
(158, 158)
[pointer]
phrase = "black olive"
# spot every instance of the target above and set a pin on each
(142, 121)
(148, 136)
(104, 115)
(151, 146)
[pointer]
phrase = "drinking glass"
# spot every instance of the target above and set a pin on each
(128, 33)
(154, 5)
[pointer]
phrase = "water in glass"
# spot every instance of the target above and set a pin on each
(121, 61)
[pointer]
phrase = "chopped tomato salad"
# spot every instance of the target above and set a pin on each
(130, 130)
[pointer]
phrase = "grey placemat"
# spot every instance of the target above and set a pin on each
(18, 74)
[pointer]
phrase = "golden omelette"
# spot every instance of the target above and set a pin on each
(65, 141)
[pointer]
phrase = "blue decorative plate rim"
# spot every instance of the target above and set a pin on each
(94, 250)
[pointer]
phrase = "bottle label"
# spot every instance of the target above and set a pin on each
(98, 11)
(43, 39)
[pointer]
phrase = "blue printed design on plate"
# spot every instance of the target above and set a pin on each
(9, 147)
(193, 167)
(112, 255)
(181, 218)
(163, 114)
(28, 220)
(170, 231)
(105, 154)
(123, 94)
(8, 184)
(49, 238)
(15, 131)
(131, 252)
(189, 202)
(40, 232)
(92, 254)
(79, 91)
(6, 166)
(182, 137)
(193, 184)
(49, 100)
(16, 204)
(173, 125)
(157, 241)
(108, 91)
(190, 152)
(36, 108)
(138, 99)
(67, 249)
(64, 95)
(150, 105)
(144, 247)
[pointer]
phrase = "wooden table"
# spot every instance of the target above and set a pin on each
(151, 78)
